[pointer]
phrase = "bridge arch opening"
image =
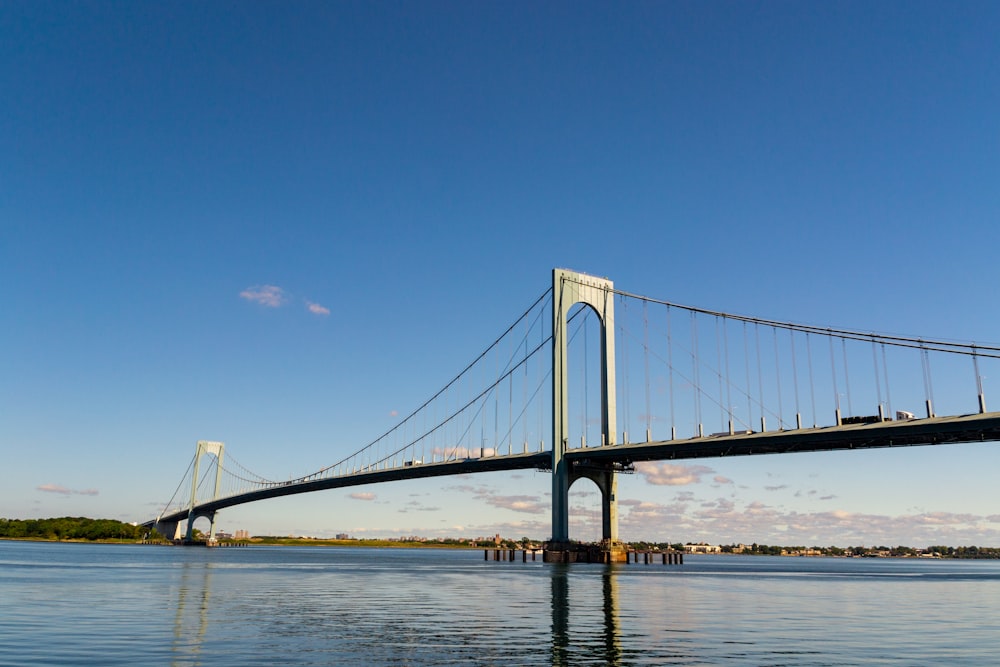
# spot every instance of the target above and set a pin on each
(203, 524)
(584, 394)
(585, 510)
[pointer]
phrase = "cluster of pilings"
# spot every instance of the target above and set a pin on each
(669, 557)
(509, 554)
(586, 553)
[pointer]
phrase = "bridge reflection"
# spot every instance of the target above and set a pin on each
(567, 642)
(194, 594)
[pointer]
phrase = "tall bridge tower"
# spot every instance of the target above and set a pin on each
(171, 529)
(568, 289)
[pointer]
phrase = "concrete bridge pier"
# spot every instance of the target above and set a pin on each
(610, 549)
(171, 530)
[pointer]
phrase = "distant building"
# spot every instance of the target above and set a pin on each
(702, 548)
(343, 536)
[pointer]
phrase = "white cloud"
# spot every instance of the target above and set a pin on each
(55, 488)
(362, 495)
(317, 309)
(669, 474)
(266, 295)
(517, 503)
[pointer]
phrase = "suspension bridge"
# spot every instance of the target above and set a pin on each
(591, 380)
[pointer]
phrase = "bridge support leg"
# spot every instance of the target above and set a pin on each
(611, 550)
(171, 530)
(609, 506)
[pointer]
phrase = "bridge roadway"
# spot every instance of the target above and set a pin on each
(908, 433)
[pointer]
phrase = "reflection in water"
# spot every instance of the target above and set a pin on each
(560, 614)
(612, 640)
(561, 634)
(191, 624)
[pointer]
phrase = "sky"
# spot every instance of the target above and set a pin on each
(282, 225)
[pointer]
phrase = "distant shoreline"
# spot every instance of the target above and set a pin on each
(268, 542)
(989, 554)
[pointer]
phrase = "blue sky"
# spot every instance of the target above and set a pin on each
(409, 174)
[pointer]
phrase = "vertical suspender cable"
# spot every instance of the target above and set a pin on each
(878, 382)
(928, 387)
(729, 384)
(812, 384)
(586, 381)
(746, 363)
(510, 413)
(885, 372)
(777, 375)
(524, 395)
(496, 410)
(645, 360)
(697, 383)
(670, 374)
(833, 369)
(795, 379)
(847, 378)
(625, 382)
(760, 378)
(541, 373)
(979, 380)
(718, 372)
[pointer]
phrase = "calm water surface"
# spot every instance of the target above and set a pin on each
(78, 604)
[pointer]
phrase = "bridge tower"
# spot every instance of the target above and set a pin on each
(568, 289)
(216, 449)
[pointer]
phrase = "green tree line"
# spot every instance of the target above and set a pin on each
(69, 528)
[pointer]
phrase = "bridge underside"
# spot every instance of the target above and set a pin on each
(537, 460)
(910, 433)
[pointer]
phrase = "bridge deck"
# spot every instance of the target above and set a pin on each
(909, 433)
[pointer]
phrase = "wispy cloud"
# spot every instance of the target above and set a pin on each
(62, 490)
(266, 295)
(724, 521)
(416, 506)
(317, 309)
(669, 474)
(273, 296)
(362, 495)
(719, 479)
(516, 503)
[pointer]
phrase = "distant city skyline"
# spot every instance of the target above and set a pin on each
(283, 227)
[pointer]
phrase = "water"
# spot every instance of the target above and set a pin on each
(79, 604)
